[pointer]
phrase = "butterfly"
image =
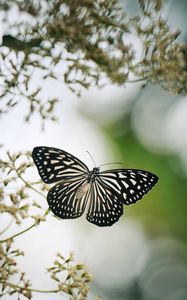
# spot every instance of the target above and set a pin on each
(104, 193)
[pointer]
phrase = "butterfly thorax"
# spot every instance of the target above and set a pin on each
(92, 174)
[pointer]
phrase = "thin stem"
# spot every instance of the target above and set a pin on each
(25, 230)
(29, 185)
(136, 80)
(20, 288)
(6, 228)
(25, 182)
(19, 233)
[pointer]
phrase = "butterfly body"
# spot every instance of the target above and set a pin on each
(103, 193)
(92, 175)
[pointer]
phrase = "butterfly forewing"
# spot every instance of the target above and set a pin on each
(54, 164)
(104, 209)
(129, 185)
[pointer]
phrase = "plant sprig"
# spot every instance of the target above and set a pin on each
(85, 43)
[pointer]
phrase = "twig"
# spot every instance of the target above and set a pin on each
(136, 80)
(25, 230)
(5, 229)
(19, 233)
(20, 288)
(28, 184)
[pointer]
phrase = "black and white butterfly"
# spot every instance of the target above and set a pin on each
(104, 193)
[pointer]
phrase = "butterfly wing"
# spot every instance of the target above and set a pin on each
(55, 165)
(65, 199)
(129, 185)
(104, 208)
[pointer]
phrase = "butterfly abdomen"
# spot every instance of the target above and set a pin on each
(82, 190)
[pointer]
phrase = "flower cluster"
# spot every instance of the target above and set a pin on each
(15, 188)
(164, 61)
(9, 270)
(71, 278)
(84, 43)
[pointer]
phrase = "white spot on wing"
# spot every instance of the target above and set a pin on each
(125, 184)
(58, 167)
(54, 161)
(68, 162)
(133, 181)
(122, 175)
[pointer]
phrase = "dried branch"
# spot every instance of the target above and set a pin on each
(88, 42)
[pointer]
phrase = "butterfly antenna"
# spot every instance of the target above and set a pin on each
(91, 158)
(113, 163)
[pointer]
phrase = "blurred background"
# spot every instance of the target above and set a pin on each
(144, 255)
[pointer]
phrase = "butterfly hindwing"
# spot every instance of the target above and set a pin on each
(54, 164)
(64, 199)
(104, 209)
(129, 185)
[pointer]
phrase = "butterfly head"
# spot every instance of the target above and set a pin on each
(95, 170)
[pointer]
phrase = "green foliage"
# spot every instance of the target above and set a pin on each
(15, 200)
(88, 42)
